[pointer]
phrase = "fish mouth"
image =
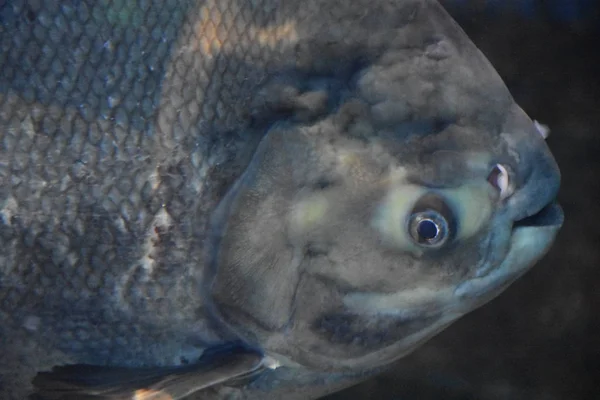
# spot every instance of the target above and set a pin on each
(530, 240)
(550, 215)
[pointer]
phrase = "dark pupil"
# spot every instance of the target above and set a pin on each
(427, 229)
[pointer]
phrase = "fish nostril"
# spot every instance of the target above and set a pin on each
(500, 179)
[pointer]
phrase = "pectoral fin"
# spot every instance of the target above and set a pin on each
(82, 381)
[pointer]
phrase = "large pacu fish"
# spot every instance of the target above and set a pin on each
(250, 198)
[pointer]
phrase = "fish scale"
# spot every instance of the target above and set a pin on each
(106, 58)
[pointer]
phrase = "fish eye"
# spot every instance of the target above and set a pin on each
(428, 228)
(499, 178)
(431, 221)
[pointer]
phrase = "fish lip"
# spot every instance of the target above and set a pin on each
(531, 238)
(550, 215)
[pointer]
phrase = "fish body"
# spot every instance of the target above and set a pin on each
(328, 183)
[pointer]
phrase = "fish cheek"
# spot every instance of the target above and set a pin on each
(387, 299)
(357, 335)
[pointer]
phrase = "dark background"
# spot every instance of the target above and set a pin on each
(541, 338)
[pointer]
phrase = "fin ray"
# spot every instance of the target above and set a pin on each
(81, 381)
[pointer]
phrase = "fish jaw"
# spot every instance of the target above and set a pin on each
(531, 239)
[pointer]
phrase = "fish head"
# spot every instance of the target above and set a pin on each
(336, 252)
(353, 238)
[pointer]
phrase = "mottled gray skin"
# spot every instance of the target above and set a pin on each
(123, 127)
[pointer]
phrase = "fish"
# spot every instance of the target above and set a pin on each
(213, 199)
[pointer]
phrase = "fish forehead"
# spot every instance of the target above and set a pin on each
(118, 119)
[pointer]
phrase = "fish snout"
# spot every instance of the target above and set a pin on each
(532, 210)
(537, 178)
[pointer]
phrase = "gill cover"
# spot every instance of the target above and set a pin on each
(255, 263)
